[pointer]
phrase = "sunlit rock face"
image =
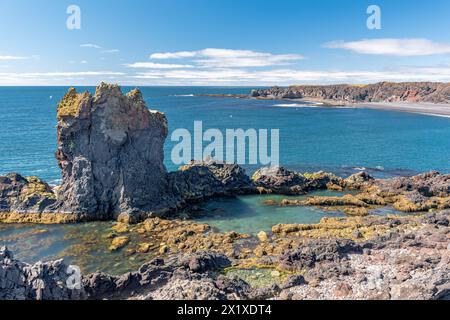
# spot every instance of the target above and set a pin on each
(110, 151)
(433, 92)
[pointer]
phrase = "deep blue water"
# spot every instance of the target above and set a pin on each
(310, 138)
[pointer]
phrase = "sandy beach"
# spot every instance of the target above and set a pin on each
(432, 109)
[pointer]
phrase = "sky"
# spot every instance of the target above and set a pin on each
(222, 42)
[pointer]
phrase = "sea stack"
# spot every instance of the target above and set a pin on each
(110, 151)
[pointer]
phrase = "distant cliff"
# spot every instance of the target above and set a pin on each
(432, 92)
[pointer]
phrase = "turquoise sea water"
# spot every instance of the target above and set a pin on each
(312, 138)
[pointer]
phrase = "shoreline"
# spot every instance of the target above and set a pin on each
(429, 109)
(423, 108)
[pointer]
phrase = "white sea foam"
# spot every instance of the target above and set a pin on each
(294, 105)
(436, 115)
(183, 95)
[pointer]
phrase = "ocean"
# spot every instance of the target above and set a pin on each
(312, 137)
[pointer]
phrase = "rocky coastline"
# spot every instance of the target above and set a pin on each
(110, 151)
(413, 92)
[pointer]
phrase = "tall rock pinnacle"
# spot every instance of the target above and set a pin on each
(110, 151)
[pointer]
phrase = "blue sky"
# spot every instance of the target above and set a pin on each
(223, 42)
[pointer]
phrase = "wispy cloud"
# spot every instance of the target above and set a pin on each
(234, 76)
(63, 74)
(393, 47)
(229, 58)
(91, 45)
(9, 58)
(111, 51)
(151, 65)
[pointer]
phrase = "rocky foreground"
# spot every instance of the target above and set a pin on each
(353, 258)
(431, 92)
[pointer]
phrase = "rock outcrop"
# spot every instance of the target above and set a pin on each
(41, 281)
(282, 181)
(202, 180)
(110, 151)
(433, 92)
(21, 194)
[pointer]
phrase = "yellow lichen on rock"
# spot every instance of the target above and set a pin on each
(71, 103)
(120, 227)
(262, 236)
(118, 243)
(402, 203)
(144, 247)
(347, 200)
(334, 187)
(335, 228)
(34, 187)
(38, 218)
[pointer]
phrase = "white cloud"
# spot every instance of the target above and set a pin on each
(111, 51)
(289, 76)
(393, 47)
(174, 55)
(83, 62)
(228, 58)
(63, 74)
(8, 58)
(90, 45)
(151, 65)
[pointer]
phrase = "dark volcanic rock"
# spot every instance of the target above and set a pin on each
(433, 92)
(19, 194)
(199, 181)
(282, 181)
(317, 251)
(205, 261)
(431, 184)
(41, 281)
(110, 151)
